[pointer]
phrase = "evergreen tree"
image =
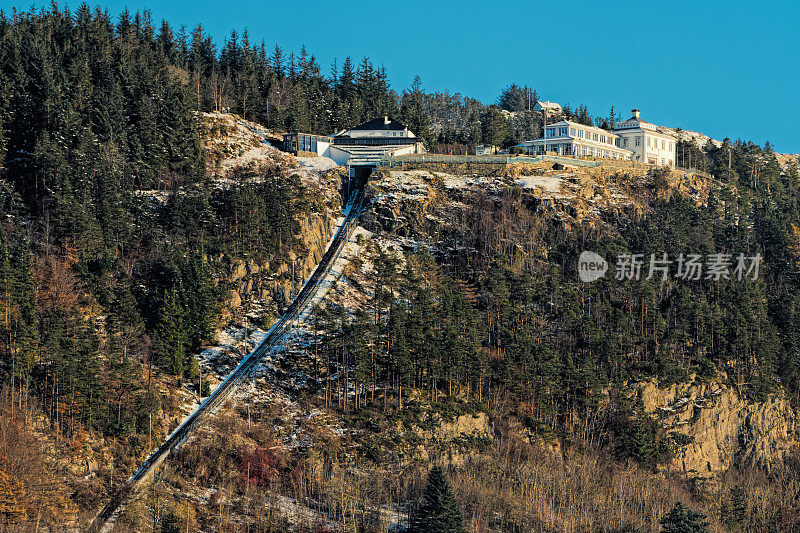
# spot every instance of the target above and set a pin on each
(170, 523)
(126, 320)
(171, 336)
(495, 127)
(516, 99)
(683, 520)
(439, 511)
(734, 512)
(413, 112)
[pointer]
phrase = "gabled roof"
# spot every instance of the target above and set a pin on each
(547, 104)
(633, 120)
(634, 125)
(380, 123)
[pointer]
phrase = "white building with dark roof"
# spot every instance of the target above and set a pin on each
(378, 128)
(360, 146)
(647, 142)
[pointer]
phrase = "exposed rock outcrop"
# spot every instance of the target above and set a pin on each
(724, 428)
(273, 286)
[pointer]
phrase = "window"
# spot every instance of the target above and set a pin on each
(562, 132)
(551, 132)
(572, 132)
(594, 137)
(648, 142)
(638, 141)
(662, 144)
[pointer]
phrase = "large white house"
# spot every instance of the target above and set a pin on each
(648, 142)
(569, 138)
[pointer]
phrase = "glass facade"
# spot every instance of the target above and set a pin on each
(580, 142)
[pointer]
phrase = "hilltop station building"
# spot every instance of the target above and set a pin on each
(360, 147)
(632, 140)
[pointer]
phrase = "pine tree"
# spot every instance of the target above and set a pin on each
(683, 520)
(644, 444)
(171, 523)
(171, 337)
(199, 299)
(3, 140)
(439, 511)
(734, 514)
(794, 245)
(413, 112)
(495, 127)
(126, 320)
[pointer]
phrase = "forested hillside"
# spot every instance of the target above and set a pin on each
(109, 219)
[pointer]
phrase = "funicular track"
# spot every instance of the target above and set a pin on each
(232, 382)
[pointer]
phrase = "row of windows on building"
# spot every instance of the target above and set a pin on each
(665, 145)
(557, 132)
(577, 133)
(651, 143)
(583, 150)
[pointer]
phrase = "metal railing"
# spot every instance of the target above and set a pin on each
(393, 160)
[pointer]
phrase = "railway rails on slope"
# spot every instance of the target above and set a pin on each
(242, 371)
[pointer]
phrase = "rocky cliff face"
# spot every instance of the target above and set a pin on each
(724, 428)
(265, 288)
(274, 286)
(413, 203)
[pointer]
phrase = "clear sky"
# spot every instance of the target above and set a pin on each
(725, 68)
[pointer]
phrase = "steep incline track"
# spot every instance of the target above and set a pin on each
(232, 382)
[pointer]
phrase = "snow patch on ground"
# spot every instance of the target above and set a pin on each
(550, 185)
(318, 165)
(258, 155)
(349, 252)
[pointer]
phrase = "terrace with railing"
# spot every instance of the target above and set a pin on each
(391, 161)
(394, 161)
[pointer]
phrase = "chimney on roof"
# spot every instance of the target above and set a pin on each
(386, 119)
(635, 113)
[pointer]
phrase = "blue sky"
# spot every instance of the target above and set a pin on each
(726, 68)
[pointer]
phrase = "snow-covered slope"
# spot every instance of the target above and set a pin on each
(699, 139)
